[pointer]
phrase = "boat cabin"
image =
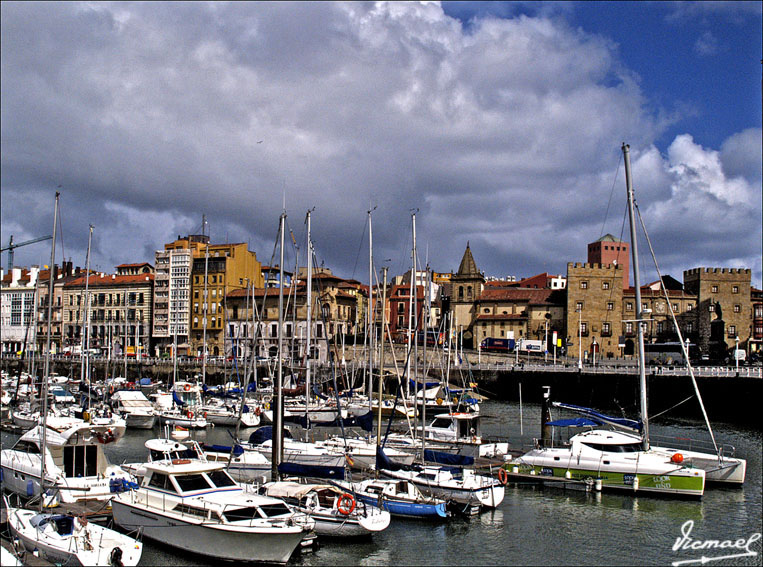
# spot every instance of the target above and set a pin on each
(459, 427)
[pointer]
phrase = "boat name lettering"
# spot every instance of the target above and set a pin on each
(547, 471)
(628, 478)
(687, 542)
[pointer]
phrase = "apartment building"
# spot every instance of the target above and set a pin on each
(219, 270)
(17, 310)
(120, 311)
(172, 293)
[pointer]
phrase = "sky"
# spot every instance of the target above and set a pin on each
(497, 124)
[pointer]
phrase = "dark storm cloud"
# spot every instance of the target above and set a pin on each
(505, 135)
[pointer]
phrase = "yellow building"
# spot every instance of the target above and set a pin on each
(227, 267)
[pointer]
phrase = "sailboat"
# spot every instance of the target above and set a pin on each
(65, 538)
(617, 459)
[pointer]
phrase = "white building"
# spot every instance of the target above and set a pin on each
(17, 292)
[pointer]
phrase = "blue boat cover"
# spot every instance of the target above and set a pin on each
(264, 433)
(420, 386)
(237, 449)
(384, 462)
(312, 471)
(447, 458)
(177, 399)
(574, 422)
(365, 422)
(145, 381)
(622, 422)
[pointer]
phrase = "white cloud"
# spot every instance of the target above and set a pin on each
(507, 134)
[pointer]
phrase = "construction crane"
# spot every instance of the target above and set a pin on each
(13, 245)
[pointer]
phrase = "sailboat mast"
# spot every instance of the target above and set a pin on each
(85, 372)
(204, 320)
(309, 317)
(370, 335)
(278, 415)
(44, 385)
(381, 355)
(639, 308)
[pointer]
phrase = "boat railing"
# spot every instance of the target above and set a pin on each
(689, 444)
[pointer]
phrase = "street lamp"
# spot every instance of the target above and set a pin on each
(594, 352)
(736, 353)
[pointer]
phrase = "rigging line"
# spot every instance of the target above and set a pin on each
(684, 347)
(360, 246)
(611, 192)
(653, 417)
(61, 232)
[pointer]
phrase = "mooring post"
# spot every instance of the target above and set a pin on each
(545, 417)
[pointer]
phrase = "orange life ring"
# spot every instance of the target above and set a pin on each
(503, 476)
(187, 388)
(346, 504)
(189, 414)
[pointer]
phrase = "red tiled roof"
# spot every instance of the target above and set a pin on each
(110, 280)
(531, 296)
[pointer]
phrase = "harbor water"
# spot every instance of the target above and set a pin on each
(544, 526)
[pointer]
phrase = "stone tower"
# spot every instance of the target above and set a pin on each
(466, 288)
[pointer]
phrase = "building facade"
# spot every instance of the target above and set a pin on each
(120, 316)
(17, 310)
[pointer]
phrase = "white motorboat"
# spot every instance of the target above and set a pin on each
(465, 490)
(197, 507)
(71, 540)
(135, 408)
(336, 513)
(75, 464)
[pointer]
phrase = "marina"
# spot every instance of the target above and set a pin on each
(533, 524)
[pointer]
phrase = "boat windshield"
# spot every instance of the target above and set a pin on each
(191, 482)
(620, 448)
(256, 512)
(221, 479)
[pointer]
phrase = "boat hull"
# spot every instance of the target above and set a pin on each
(71, 551)
(137, 421)
(405, 509)
(726, 470)
(218, 541)
(690, 483)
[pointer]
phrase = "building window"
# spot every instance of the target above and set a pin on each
(579, 306)
(732, 330)
(610, 306)
(584, 329)
(629, 306)
(737, 308)
(690, 307)
(584, 285)
(675, 308)
(735, 289)
(604, 285)
(689, 327)
(606, 330)
(711, 308)
(714, 289)
(629, 328)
